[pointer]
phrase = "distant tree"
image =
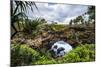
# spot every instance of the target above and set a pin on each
(91, 12)
(53, 22)
(43, 20)
(71, 21)
(74, 21)
(78, 19)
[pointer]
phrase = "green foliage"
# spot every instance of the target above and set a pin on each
(22, 55)
(18, 12)
(30, 26)
(79, 18)
(91, 12)
(83, 53)
(57, 27)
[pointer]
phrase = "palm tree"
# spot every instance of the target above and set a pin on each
(18, 12)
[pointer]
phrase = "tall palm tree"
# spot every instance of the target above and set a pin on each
(18, 11)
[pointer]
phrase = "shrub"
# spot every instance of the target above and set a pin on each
(22, 55)
(83, 53)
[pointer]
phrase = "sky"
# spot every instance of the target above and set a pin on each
(60, 13)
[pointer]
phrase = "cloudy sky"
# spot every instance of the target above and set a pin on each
(61, 13)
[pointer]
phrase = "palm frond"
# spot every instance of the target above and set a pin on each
(19, 11)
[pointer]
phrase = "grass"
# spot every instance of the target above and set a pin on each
(24, 55)
(57, 27)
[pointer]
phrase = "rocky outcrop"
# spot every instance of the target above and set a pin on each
(72, 35)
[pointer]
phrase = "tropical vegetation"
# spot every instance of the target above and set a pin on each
(31, 39)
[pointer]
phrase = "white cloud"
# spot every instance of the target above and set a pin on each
(58, 12)
(68, 19)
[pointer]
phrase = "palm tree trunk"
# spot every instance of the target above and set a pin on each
(14, 30)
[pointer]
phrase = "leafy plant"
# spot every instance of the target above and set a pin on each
(84, 53)
(18, 13)
(22, 55)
